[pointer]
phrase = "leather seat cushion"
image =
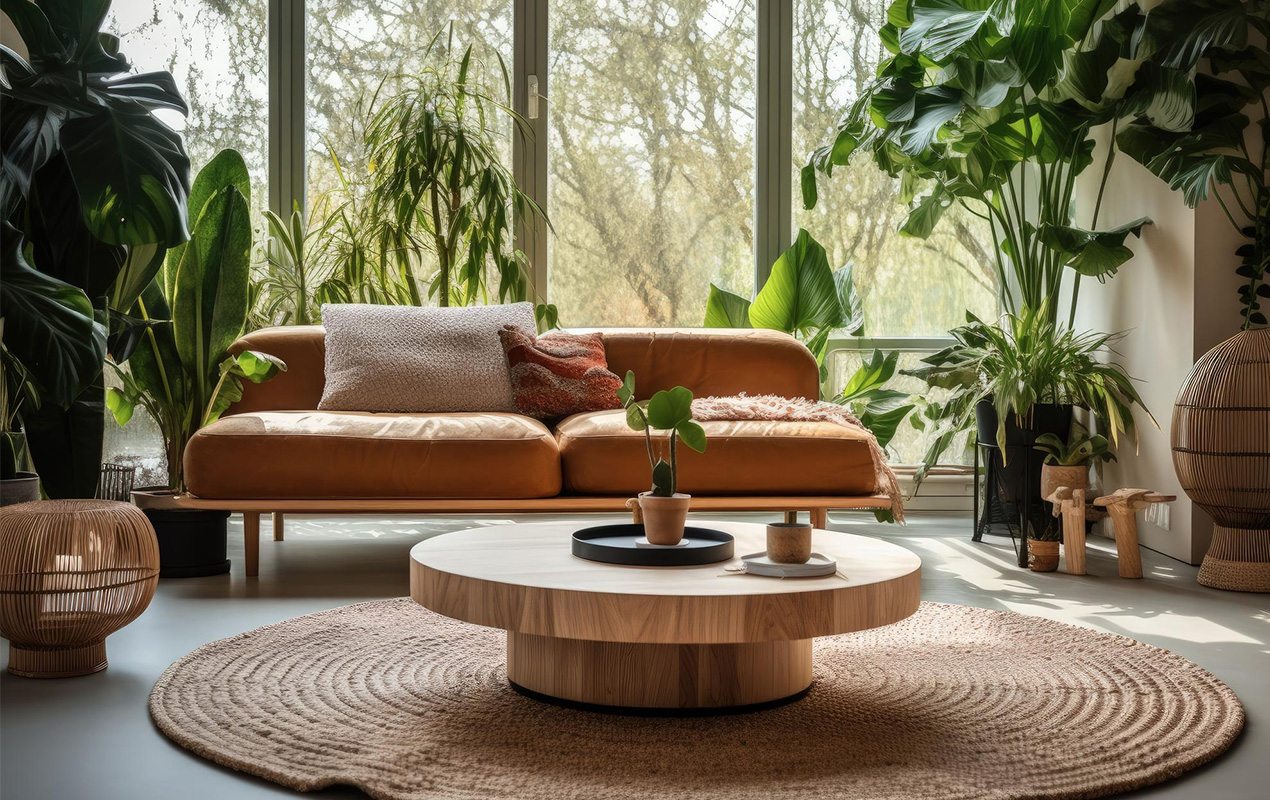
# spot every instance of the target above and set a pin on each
(344, 454)
(600, 455)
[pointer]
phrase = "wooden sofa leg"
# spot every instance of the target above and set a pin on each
(251, 542)
(791, 517)
(820, 518)
(278, 531)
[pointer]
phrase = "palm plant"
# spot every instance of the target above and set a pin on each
(94, 189)
(441, 196)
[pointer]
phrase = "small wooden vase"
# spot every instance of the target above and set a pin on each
(789, 542)
(1042, 555)
(664, 517)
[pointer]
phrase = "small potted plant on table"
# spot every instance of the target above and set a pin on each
(664, 509)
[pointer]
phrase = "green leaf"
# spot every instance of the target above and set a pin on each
(884, 423)
(626, 392)
(66, 442)
(941, 26)
(48, 325)
(256, 366)
(663, 479)
(227, 168)
(800, 293)
(1097, 254)
(211, 284)
(726, 310)
(670, 408)
(635, 419)
(692, 435)
(849, 300)
(871, 375)
(121, 406)
(923, 217)
(934, 108)
(807, 182)
(141, 264)
(1179, 33)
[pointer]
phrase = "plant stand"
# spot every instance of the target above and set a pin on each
(996, 510)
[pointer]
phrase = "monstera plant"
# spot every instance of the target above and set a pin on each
(181, 372)
(1212, 150)
(93, 191)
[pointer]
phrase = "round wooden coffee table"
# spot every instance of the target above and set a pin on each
(658, 637)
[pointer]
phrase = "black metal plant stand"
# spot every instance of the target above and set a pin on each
(994, 511)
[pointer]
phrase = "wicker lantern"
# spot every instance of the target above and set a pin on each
(1221, 451)
(71, 573)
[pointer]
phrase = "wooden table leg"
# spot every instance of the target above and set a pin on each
(1124, 520)
(666, 676)
(251, 542)
(278, 530)
(820, 518)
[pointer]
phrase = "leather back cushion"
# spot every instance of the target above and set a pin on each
(709, 361)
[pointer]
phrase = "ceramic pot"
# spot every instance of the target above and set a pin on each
(1221, 453)
(23, 488)
(664, 517)
(789, 542)
(192, 542)
(1042, 555)
(1054, 476)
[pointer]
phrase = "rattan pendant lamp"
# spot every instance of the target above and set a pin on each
(1221, 451)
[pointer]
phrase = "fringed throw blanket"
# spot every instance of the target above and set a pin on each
(783, 409)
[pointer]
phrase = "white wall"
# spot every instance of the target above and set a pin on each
(1176, 299)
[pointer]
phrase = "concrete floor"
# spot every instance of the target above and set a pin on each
(92, 737)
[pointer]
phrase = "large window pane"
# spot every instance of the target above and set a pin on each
(357, 49)
(909, 287)
(650, 157)
(218, 54)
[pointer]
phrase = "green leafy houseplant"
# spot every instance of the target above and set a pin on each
(1021, 362)
(669, 410)
(802, 296)
(991, 107)
(1082, 451)
(182, 373)
(94, 188)
(441, 194)
(1212, 150)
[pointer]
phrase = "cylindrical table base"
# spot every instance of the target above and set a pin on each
(659, 676)
(60, 662)
(1238, 560)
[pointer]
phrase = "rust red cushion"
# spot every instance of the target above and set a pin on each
(559, 374)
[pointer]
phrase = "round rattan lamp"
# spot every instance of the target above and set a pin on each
(1221, 451)
(72, 572)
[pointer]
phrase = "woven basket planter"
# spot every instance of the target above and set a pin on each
(1221, 451)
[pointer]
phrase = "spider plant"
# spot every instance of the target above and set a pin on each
(1022, 361)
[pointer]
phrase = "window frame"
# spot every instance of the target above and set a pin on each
(773, 196)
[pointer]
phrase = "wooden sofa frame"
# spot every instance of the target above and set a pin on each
(252, 509)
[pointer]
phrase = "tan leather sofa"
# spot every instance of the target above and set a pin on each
(274, 452)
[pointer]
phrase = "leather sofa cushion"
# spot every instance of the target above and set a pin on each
(600, 455)
(343, 454)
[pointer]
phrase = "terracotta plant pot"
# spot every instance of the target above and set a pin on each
(1042, 555)
(789, 542)
(664, 517)
(1054, 476)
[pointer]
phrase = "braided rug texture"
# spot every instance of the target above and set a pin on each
(953, 702)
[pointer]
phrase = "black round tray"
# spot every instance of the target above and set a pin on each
(615, 544)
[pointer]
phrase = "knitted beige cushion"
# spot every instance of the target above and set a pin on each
(408, 359)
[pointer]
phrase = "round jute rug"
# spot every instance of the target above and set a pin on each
(954, 702)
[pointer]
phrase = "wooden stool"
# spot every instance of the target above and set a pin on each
(1123, 505)
(72, 572)
(1070, 503)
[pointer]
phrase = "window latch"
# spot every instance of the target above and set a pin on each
(532, 108)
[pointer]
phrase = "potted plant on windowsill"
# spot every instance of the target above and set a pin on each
(664, 509)
(1067, 463)
(181, 372)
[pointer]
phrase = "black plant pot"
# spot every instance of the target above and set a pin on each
(1018, 475)
(191, 542)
